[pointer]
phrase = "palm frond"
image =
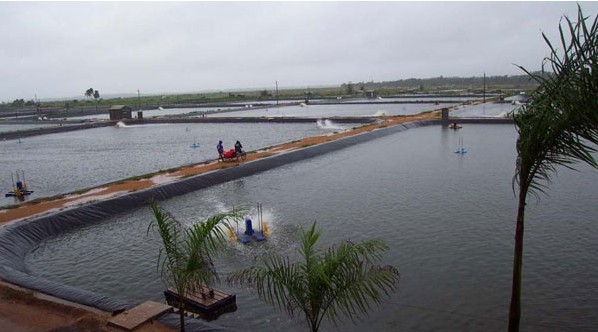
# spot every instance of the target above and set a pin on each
(341, 280)
(560, 125)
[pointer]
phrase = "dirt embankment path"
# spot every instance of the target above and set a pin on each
(26, 311)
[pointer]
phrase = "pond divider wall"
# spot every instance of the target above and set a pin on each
(19, 238)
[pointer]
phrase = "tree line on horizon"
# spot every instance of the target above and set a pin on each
(514, 81)
(454, 81)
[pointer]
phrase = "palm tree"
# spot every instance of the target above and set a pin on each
(558, 127)
(88, 93)
(341, 280)
(186, 258)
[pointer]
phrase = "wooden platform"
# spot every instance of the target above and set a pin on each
(207, 307)
(132, 318)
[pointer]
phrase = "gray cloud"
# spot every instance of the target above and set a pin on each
(60, 49)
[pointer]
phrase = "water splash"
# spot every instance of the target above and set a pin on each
(327, 124)
(120, 124)
(380, 113)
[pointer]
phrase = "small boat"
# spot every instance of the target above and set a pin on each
(455, 126)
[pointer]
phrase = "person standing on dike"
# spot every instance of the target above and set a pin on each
(238, 147)
(220, 149)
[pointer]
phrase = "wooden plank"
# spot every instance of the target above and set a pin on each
(207, 307)
(132, 318)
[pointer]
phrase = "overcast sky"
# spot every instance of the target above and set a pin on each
(56, 50)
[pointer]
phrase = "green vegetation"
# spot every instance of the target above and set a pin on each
(185, 261)
(507, 84)
(439, 85)
(343, 280)
(558, 127)
(8, 293)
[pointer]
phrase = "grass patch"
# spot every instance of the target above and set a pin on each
(139, 177)
(8, 293)
(80, 192)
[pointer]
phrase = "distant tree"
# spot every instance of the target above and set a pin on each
(264, 93)
(350, 88)
(18, 102)
(96, 95)
(343, 280)
(89, 93)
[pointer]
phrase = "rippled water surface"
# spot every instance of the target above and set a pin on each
(338, 110)
(448, 220)
(486, 110)
(65, 162)
(158, 112)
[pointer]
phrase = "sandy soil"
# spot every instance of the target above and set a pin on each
(21, 311)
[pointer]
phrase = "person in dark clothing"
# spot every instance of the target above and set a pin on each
(220, 148)
(238, 147)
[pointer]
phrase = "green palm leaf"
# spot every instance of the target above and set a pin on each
(185, 260)
(343, 280)
(559, 127)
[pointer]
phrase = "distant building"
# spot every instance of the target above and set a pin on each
(371, 94)
(119, 112)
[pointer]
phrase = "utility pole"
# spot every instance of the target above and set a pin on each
(276, 93)
(138, 100)
(37, 105)
(484, 87)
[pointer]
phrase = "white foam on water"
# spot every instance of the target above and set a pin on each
(327, 124)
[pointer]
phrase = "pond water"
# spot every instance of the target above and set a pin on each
(158, 112)
(66, 162)
(485, 110)
(411, 98)
(448, 220)
(338, 110)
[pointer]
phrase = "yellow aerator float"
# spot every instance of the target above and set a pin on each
(19, 188)
(250, 234)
